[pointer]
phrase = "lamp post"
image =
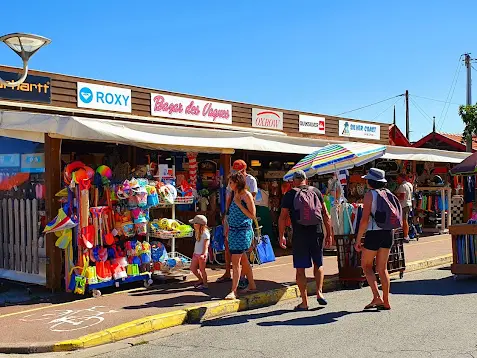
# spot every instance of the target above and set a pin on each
(24, 45)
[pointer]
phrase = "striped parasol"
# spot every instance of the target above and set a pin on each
(335, 157)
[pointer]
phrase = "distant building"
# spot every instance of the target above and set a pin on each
(444, 141)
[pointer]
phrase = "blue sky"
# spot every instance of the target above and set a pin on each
(319, 56)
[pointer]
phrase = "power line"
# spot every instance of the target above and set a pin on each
(433, 99)
(425, 115)
(387, 109)
(450, 94)
(369, 105)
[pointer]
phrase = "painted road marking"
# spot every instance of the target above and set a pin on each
(70, 320)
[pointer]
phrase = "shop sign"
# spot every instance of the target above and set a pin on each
(190, 109)
(359, 130)
(104, 97)
(266, 118)
(33, 163)
(311, 124)
(9, 160)
(34, 89)
(274, 174)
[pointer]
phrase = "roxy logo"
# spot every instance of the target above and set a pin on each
(86, 95)
(104, 97)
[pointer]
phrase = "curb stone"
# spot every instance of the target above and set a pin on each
(195, 314)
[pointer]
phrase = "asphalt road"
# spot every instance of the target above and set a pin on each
(432, 316)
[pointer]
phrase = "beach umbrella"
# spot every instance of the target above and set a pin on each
(467, 167)
(335, 157)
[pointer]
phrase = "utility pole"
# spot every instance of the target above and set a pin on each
(468, 64)
(407, 114)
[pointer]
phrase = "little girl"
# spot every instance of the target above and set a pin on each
(201, 250)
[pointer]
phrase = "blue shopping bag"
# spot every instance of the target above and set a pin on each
(218, 240)
(265, 251)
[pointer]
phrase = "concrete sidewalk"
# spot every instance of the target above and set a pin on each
(38, 327)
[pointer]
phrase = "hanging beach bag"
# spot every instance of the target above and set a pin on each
(265, 250)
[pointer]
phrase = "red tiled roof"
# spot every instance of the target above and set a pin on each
(397, 138)
(455, 140)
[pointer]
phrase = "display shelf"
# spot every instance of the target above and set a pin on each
(464, 249)
(445, 191)
(95, 288)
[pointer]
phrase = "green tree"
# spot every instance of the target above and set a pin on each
(469, 117)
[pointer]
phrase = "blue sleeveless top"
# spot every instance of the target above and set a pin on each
(240, 229)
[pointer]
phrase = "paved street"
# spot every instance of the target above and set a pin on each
(432, 316)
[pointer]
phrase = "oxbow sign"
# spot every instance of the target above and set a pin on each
(104, 97)
(190, 109)
(266, 118)
(311, 124)
(359, 130)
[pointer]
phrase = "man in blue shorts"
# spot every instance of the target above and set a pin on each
(308, 214)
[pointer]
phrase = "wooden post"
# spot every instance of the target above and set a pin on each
(226, 162)
(23, 240)
(53, 185)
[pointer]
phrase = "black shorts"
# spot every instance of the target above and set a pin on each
(308, 251)
(378, 239)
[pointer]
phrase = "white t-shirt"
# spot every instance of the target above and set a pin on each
(199, 245)
(406, 189)
(250, 184)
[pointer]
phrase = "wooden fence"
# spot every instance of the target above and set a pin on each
(19, 234)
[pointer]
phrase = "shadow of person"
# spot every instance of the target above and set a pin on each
(245, 318)
(313, 320)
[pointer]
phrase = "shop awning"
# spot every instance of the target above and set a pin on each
(152, 136)
(30, 126)
(424, 155)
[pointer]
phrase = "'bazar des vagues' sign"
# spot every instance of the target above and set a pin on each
(190, 109)
(266, 118)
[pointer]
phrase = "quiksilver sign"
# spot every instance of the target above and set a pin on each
(266, 118)
(104, 97)
(33, 89)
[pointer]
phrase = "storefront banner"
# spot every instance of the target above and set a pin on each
(190, 109)
(359, 130)
(34, 89)
(266, 118)
(33, 163)
(104, 97)
(311, 124)
(9, 160)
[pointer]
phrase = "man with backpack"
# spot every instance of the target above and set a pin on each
(305, 206)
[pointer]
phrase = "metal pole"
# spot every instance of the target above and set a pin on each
(407, 114)
(469, 95)
(434, 124)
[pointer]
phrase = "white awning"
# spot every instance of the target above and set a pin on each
(153, 136)
(424, 155)
(31, 126)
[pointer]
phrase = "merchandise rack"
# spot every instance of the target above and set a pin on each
(445, 192)
(463, 262)
(182, 272)
(95, 288)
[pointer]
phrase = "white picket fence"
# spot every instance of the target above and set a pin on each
(19, 234)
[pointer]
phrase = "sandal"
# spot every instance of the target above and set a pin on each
(383, 307)
(248, 290)
(372, 305)
(231, 296)
(299, 308)
(223, 279)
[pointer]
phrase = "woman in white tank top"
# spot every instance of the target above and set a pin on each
(377, 242)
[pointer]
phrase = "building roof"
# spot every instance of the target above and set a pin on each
(397, 138)
(451, 141)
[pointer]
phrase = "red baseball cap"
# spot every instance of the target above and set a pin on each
(239, 165)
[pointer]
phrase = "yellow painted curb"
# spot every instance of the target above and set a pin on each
(423, 264)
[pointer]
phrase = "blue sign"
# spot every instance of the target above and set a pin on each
(104, 97)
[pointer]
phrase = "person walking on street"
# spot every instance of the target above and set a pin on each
(404, 193)
(239, 166)
(241, 215)
(381, 214)
(306, 208)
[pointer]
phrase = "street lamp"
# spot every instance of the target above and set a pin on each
(24, 45)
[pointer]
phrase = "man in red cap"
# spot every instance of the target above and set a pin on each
(251, 185)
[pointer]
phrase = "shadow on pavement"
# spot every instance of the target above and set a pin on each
(189, 295)
(233, 320)
(314, 320)
(440, 287)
